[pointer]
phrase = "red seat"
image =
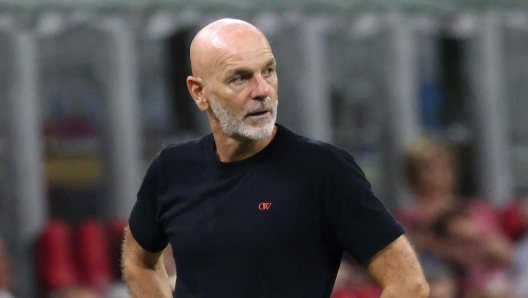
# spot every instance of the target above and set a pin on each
(513, 221)
(92, 255)
(55, 263)
(115, 231)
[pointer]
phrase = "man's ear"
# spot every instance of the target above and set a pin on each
(196, 89)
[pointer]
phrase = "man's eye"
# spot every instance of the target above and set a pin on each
(270, 71)
(238, 79)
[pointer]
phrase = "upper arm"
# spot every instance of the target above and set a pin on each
(135, 255)
(356, 220)
(397, 266)
(145, 220)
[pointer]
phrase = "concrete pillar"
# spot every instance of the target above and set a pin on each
(25, 177)
(315, 106)
(6, 204)
(116, 67)
(489, 107)
(402, 107)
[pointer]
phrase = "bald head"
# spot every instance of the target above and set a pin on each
(233, 78)
(220, 39)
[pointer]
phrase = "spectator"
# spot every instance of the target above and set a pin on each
(478, 259)
(430, 176)
(432, 180)
(429, 168)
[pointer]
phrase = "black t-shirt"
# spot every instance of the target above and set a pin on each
(274, 225)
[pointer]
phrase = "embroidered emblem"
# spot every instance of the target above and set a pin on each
(264, 206)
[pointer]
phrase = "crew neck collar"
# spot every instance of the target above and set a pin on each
(236, 165)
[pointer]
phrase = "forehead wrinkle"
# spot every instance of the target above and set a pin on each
(232, 62)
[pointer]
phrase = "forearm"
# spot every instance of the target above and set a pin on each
(397, 269)
(146, 282)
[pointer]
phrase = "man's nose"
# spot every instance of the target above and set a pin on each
(261, 89)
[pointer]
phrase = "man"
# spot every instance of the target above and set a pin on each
(253, 209)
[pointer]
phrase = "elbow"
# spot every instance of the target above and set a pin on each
(130, 271)
(130, 275)
(421, 289)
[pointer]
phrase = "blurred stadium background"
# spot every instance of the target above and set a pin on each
(91, 90)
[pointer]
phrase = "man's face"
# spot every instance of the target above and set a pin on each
(437, 174)
(242, 88)
(234, 125)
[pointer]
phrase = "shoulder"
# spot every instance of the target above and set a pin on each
(318, 152)
(186, 146)
(189, 150)
(337, 168)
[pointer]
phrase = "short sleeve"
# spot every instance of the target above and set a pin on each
(357, 220)
(143, 221)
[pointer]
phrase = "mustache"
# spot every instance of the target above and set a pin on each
(261, 105)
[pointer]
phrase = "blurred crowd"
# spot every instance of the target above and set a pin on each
(468, 247)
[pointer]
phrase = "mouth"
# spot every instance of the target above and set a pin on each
(258, 114)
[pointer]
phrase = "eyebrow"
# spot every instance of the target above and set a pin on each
(245, 71)
(270, 62)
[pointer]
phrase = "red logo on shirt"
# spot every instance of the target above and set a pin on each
(264, 206)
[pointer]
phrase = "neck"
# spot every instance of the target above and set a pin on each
(230, 149)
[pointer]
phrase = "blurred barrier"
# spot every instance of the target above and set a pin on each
(444, 6)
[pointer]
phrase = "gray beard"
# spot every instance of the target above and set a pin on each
(234, 126)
